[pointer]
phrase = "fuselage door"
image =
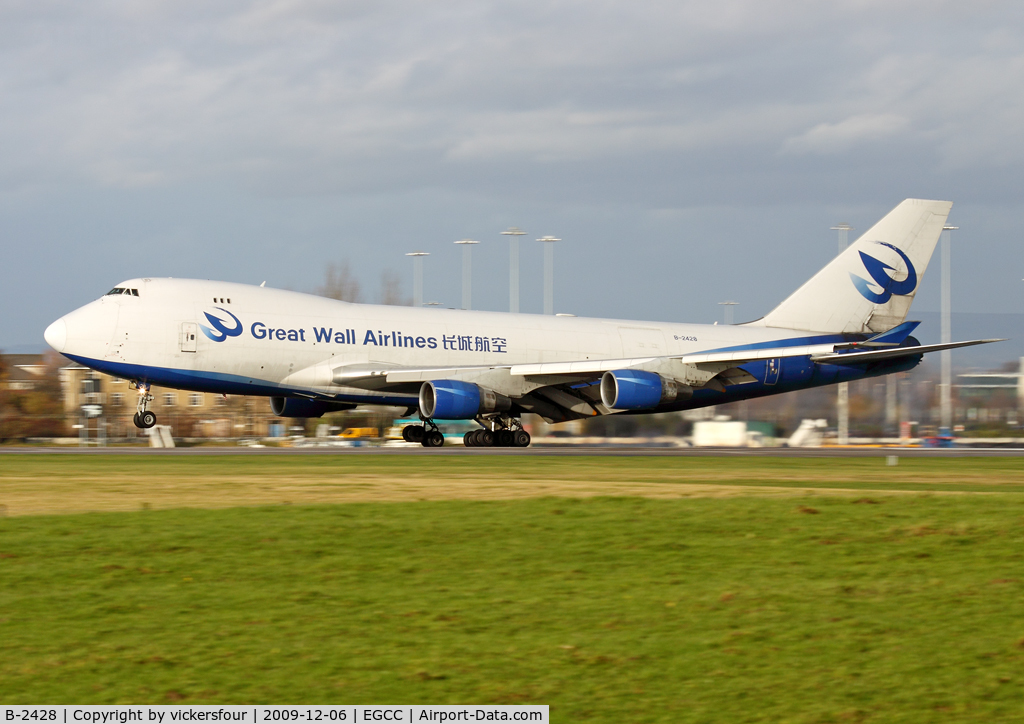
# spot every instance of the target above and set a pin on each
(772, 369)
(187, 338)
(642, 341)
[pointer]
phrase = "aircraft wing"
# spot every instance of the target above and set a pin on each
(820, 353)
(560, 391)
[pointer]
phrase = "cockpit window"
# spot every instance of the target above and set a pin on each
(135, 292)
(123, 290)
(116, 290)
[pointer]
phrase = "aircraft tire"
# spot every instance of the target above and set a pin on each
(148, 419)
(434, 438)
(467, 439)
(412, 433)
(504, 438)
(135, 419)
(485, 438)
(522, 438)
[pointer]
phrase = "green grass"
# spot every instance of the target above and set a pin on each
(908, 608)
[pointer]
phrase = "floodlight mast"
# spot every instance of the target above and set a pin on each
(946, 360)
(513, 267)
(843, 388)
(467, 272)
(549, 273)
(417, 276)
(844, 229)
(728, 310)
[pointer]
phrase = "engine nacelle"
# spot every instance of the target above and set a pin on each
(303, 407)
(455, 400)
(636, 389)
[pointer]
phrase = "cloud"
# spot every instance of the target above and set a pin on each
(835, 138)
(193, 129)
(309, 96)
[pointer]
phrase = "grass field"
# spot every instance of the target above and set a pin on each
(635, 589)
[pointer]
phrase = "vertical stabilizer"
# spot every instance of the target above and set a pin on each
(869, 287)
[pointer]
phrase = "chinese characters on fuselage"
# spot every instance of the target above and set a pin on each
(380, 338)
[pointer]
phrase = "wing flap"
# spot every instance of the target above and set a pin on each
(740, 356)
(578, 367)
(426, 374)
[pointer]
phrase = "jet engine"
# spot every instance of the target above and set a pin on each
(303, 407)
(455, 400)
(636, 389)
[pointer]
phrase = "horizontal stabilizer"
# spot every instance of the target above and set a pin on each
(894, 336)
(855, 358)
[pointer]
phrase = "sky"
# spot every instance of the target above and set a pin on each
(686, 153)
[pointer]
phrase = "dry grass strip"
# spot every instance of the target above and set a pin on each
(126, 491)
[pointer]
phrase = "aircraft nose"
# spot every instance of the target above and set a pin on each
(56, 335)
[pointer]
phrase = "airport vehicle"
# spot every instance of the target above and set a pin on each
(312, 355)
(352, 433)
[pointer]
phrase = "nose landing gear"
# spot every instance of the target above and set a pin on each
(144, 418)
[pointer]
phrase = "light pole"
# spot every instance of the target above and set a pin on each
(417, 276)
(891, 423)
(843, 392)
(728, 310)
(467, 272)
(513, 267)
(946, 382)
(843, 230)
(549, 273)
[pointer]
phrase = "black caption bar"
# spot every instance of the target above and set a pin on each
(324, 714)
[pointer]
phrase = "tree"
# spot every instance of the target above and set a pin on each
(340, 283)
(37, 412)
(391, 290)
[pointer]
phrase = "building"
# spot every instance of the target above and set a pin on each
(991, 398)
(25, 372)
(89, 395)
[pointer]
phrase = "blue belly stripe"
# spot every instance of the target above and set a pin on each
(223, 384)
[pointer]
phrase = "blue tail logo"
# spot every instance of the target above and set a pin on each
(220, 330)
(880, 277)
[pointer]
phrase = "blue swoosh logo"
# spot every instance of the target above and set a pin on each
(218, 330)
(880, 277)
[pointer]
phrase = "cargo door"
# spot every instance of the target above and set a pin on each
(187, 338)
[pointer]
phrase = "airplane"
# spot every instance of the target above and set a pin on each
(312, 355)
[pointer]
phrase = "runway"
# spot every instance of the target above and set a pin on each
(539, 451)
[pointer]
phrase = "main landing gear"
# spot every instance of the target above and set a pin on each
(144, 418)
(426, 434)
(498, 431)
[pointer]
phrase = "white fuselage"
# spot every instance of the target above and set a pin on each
(287, 341)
